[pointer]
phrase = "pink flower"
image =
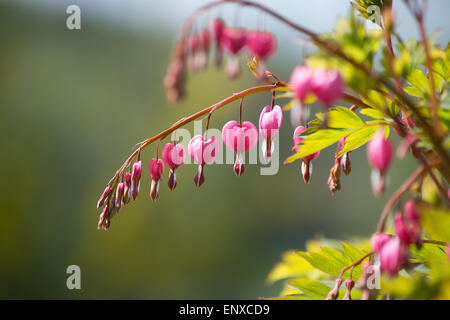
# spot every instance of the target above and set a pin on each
(127, 188)
(156, 168)
(240, 139)
(136, 173)
(306, 165)
(106, 193)
(301, 82)
(378, 240)
(328, 86)
(217, 28)
(119, 195)
(411, 211)
(174, 156)
(269, 124)
(193, 43)
(379, 152)
(202, 152)
(408, 232)
(261, 43)
(233, 40)
(392, 255)
(297, 139)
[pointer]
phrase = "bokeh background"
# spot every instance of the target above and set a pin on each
(74, 103)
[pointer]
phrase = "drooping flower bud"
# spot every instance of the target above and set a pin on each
(334, 180)
(156, 168)
(392, 255)
(411, 211)
(218, 27)
(127, 188)
(306, 161)
(174, 156)
(240, 139)
(379, 154)
(334, 293)
(232, 41)
(349, 284)
(408, 232)
(378, 240)
(344, 160)
(202, 152)
(119, 195)
(174, 81)
(104, 196)
(261, 44)
(136, 173)
(301, 82)
(269, 124)
(327, 85)
(103, 221)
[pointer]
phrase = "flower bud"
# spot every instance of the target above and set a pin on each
(392, 255)
(411, 211)
(233, 40)
(379, 152)
(119, 195)
(269, 124)
(334, 293)
(104, 195)
(408, 233)
(156, 168)
(378, 240)
(202, 152)
(136, 173)
(127, 188)
(217, 28)
(334, 181)
(301, 82)
(349, 284)
(327, 85)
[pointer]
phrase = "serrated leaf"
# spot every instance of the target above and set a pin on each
(343, 118)
(436, 223)
(358, 138)
(291, 266)
(318, 141)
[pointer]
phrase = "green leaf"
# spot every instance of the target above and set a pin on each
(436, 223)
(291, 266)
(372, 113)
(430, 254)
(353, 253)
(419, 80)
(358, 138)
(343, 118)
(313, 289)
(318, 141)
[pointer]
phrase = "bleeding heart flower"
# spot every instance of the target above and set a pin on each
(411, 211)
(127, 188)
(269, 124)
(392, 255)
(106, 193)
(174, 156)
(156, 168)
(202, 152)
(408, 232)
(328, 86)
(306, 161)
(217, 27)
(378, 240)
(379, 154)
(261, 44)
(301, 82)
(240, 139)
(136, 173)
(232, 41)
(119, 195)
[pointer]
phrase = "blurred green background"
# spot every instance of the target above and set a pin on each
(74, 103)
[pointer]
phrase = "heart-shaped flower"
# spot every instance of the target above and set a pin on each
(301, 82)
(233, 40)
(240, 139)
(202, 152)
(328, 86)
(261, 43)
(269, 124)
(174, 156)
(156, 168)
(306, 161)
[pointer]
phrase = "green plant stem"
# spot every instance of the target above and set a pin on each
(440, 243)
(354, 264)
